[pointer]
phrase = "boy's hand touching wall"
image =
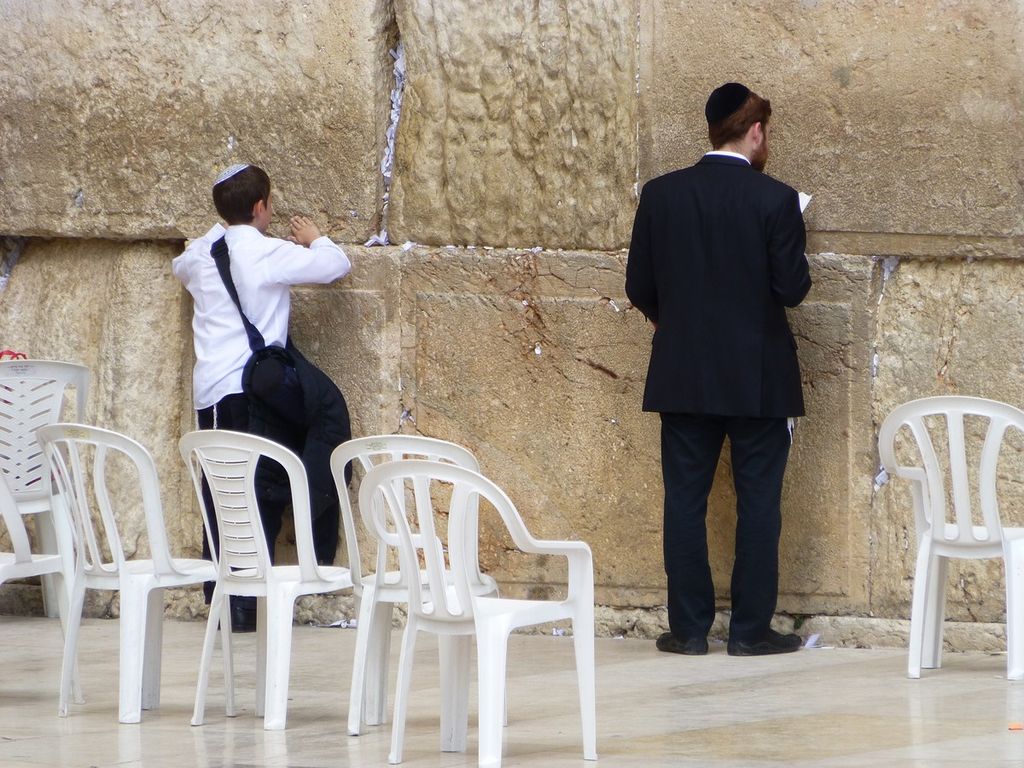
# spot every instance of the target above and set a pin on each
(304, 231)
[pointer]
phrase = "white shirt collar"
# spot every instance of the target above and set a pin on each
(247, 230)
(727, 153)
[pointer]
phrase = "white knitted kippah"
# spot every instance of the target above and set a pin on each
(229, 172)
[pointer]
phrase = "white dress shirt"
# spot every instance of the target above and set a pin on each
(727, 153)
(263, 268)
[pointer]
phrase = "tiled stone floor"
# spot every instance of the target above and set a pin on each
(818, 707)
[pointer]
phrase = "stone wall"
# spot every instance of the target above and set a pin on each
(116, 112)
(502, 324)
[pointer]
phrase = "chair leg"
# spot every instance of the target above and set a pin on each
(491, 659)
(64, 604)
(375, 698)
(50, 541)
(935, 613)
(280, 608)
(152, 659)
(74, 621)
(918, 619)
(226, 653)
(360, 679)
(1014, 558)
(132, 625)
(583, 642)
(217, 609)
(261, 655)
(454, 664)
(402, 690)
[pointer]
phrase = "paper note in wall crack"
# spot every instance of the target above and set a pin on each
(805, 200)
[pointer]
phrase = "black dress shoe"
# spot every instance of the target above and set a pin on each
(772, 642)
(691, 646)
(243, 614)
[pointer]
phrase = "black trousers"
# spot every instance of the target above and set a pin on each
(690, 448)
(232, 413)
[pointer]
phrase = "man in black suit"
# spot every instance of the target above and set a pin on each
(717, 255)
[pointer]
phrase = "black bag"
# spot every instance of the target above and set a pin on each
(269, 375)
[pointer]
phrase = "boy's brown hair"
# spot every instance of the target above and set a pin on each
(735, 126)
(235, 197)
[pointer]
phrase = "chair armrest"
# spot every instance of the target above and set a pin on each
(919, 493)
(914, 474)
(581, 565)
(570, 549)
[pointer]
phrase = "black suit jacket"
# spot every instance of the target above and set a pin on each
(717, 255)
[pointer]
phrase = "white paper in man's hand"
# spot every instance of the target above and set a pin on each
(805, 200)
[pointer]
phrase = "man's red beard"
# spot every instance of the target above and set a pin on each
(760, 157)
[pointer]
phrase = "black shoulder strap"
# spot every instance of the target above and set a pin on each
(219, 251)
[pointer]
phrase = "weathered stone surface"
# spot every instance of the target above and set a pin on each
(896, 116)
(534, 362)
(824, 555)
(117, 115)
(863, 632)
(116, 308)
(518, 126)
(947, 327)
(526, 359)
(53, 304)
(525, 128)
(351, 330)
(140, 376)
(451, 336)
(824, 550)
(107, 305)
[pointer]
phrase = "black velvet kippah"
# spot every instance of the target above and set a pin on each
(725, 100)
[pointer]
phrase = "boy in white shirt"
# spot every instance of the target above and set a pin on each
(263, 270)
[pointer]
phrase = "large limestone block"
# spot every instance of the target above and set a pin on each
(144, 373)
(350, 329)
(824, 553)
(947, 327)
(897, 116)
(825, 548)
(534, 363)
(115, 308)
(117, 115)
(518, 124)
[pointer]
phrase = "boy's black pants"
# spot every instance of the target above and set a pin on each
(232, 413)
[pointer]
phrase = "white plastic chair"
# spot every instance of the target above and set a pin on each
(228, 460)
(22, 563)
(86, 462)
(32, 395)
(460, 607)
(378, 592)
(962, 534)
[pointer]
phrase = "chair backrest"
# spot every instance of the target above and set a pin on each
(229, 462)
(31, 395)
(86, 463)
(369, 452)
(947, 414)
(382, 492)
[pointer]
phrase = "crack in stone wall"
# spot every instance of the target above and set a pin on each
(10, 251)
(391, 35)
